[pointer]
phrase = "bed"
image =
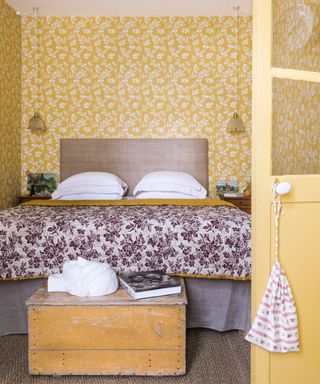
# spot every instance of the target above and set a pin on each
(180, 239)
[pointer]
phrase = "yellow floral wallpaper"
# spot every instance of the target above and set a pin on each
(10, 105)
(296, 133)
(138, 77)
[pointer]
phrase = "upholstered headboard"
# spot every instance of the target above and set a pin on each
(131, 159)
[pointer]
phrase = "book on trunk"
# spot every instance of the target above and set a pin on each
(141, 285)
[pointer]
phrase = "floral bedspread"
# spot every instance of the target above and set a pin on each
(187, 240)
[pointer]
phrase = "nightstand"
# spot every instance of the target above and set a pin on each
(243, 203)
(24, 199)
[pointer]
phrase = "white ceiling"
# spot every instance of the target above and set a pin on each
(133, 7)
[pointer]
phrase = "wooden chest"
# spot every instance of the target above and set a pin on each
(106, 335)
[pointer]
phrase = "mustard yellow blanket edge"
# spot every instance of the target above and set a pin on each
(177, 202)
(237, 278)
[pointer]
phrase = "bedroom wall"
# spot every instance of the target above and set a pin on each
(138, 77)
(10, 105)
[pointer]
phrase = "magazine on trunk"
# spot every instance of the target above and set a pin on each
(141, 285)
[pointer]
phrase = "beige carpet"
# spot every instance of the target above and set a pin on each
(212, 357)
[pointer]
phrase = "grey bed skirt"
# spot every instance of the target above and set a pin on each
(221, 305)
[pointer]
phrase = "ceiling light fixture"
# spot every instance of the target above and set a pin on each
(235, 124)
(36, 123)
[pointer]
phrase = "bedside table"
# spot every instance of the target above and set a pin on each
(243, 203)
(24, 199)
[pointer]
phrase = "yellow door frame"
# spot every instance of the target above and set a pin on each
(261, 121)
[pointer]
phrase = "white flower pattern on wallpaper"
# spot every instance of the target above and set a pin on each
(138, 77)
(10, 105)
(208, 241)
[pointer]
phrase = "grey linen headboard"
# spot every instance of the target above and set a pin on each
(131, 159)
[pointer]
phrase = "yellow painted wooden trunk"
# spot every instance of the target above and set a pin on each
(107, 335)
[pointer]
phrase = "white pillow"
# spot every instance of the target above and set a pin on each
(98, 182)
(163, 195)
(91, 196)
(91, 189)
(169, 181)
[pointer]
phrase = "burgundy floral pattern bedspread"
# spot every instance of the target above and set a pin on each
(191, 240)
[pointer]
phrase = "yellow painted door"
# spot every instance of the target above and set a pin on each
(286, 147)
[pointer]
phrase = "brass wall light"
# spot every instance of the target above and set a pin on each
(36, 123)
(235, 124)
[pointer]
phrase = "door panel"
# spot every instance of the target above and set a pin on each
(299, 254)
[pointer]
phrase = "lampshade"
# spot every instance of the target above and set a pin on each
(235, 124)
(36, 123)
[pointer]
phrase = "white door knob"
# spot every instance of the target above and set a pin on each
(283, 188)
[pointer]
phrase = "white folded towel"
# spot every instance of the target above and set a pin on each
(84, 278)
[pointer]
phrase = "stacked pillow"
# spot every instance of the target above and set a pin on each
(169, 184)
(91, 186)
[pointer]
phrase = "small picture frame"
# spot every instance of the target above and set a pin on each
(232, 186)
(221, 186)
(41, 184)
